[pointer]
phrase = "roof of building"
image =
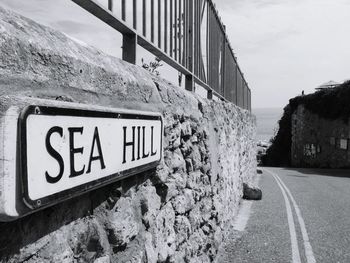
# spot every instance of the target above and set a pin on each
(327, 85)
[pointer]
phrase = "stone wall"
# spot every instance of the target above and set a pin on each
(180, 212)
(319, 142)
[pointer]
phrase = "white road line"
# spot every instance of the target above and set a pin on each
(308, 249)
(292, 232)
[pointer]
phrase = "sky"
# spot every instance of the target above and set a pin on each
(283, 46)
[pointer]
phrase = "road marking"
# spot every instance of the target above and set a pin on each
(307, 245)
(292, 232)
(241, 220)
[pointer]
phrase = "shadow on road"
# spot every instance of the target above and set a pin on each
(317, 171)
(297, 175)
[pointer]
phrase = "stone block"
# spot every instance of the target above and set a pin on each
(123, 223)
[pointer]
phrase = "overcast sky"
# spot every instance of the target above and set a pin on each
(283, 46)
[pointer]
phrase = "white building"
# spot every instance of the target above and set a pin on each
(328, 85)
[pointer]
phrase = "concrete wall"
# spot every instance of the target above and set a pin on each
(180, 212)
(318, 142)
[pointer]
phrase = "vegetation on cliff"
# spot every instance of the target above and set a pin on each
(328, 104)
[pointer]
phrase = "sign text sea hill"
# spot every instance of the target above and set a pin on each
(67, 153)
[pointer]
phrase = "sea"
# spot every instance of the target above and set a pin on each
(267, 122)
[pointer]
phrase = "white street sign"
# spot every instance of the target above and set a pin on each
(65, 152)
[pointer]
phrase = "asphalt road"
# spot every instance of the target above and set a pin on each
(304, 216)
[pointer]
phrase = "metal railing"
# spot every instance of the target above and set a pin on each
(186, 34)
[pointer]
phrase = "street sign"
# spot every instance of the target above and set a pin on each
(65, 152)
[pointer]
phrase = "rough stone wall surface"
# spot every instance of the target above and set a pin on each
(316, 142)
(180, 212)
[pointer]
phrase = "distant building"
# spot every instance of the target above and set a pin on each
(328, 85)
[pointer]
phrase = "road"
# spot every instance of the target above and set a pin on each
(304, 216)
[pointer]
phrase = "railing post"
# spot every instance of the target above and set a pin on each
(129, 48)
(210, 94)
(189, 84)
(110, 5)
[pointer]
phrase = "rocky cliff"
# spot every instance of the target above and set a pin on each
(314, 131)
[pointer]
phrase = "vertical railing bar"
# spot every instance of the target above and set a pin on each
(227, 68)
(217, 62)
(243, 91)
(171, 24)
(250, 100)
(190, 45)
(247, 98)
(123, 10)
(245, 95)
(166, 26)
(201, 70)
(134, 14)
(210, 46)
(188, 36)
(152, 21)
(223, 69)
(189, 81)
(200, 61)
(236, 81)
(159, 24)
(240, 88)
(214, 52)
(212, 49)
(212, 25)
(188, 20)
(207, 43)
(180, 31)
(198, 36)
(223, 52)
(175, 29)
(198, 39)
(221, 63)
(110, 5)
(194, 5)
(185, 29)
(195, 37)
(144, 18)
(237, 87)
(217, 56)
